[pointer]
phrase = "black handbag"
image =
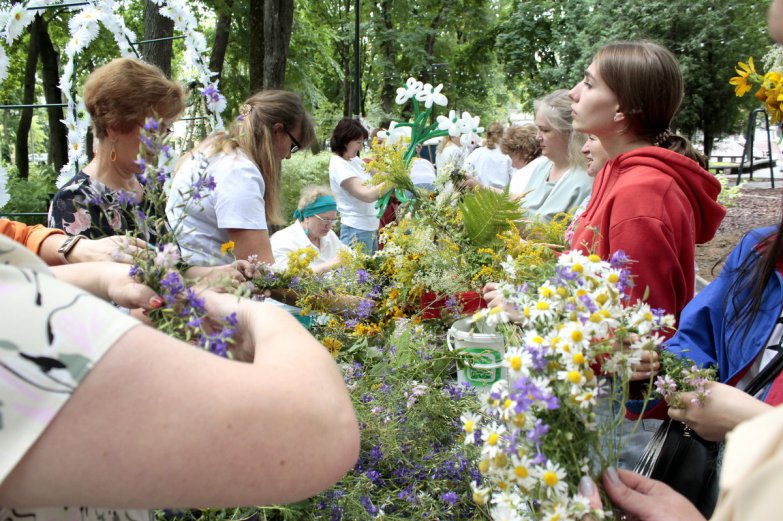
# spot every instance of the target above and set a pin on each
(679, 457)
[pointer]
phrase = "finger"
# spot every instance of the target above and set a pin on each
(677, 414)
(489, 286)
(135, 295)
(627, 491)
(588, 489)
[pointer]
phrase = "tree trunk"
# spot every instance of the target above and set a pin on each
(429, 43)
(278, 22)
(344, 51)
(157, 26)
(58, 133)
(222, 32)
(389, 88)
(256, 45)
(28, 97)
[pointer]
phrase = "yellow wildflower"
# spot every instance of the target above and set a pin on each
(745, 72)
(332, 345)
(227, 247)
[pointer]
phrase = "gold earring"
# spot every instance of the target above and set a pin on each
(113, 155)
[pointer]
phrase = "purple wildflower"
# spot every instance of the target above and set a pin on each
(368, 506)
(450, 498)
(151, 125)
(363, 276)
(173, 284)
(619, 259)
(365, 308)
(538, 431)
(136, 270)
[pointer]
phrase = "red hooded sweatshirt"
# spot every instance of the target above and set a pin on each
(655, 205)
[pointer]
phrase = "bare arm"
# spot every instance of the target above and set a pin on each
(110, 249)
(159, 423)
(252, 242)
(364, 193)
(109, 281)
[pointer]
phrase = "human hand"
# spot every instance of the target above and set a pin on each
(724, 409)
(117, 248)
(648, 365)
(124, 291)
(221, 278)
(222, 305)
(639, 498)
(492, 295)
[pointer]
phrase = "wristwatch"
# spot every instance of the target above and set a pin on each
(67, 245)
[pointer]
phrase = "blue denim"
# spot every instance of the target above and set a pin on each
(369, 238)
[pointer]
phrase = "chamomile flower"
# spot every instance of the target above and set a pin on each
(492, 436)
(575, 336)
(497, 315)
(587, 398)
(470, 423)
(552, 479)
(518, 361)
(521, 472)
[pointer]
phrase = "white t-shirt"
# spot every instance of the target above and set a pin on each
(519, 179)
(422, 172)
(353, 212)
(236, 202)
(490, 166)
(451, 156)
(293, 238)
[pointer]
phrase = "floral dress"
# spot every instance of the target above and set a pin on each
(84, 206)
(51, 336)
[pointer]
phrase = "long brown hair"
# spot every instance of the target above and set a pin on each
(252, 133)
(647, 81)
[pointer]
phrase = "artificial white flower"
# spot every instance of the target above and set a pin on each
(412, 87)
(450, 123)
(396, 134)
(4, 196)
(3, 64)
(18, 20)
(470, 124)
(429, 95)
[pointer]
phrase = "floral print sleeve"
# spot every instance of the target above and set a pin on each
(52, 335)
(87, 207)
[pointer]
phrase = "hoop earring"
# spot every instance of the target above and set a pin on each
(113, 155)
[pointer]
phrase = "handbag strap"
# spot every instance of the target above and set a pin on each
(766, 375)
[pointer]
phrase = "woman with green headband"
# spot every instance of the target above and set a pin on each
(315, 215)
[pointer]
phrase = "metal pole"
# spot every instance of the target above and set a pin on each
(356, 79)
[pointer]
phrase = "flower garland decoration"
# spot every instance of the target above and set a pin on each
(770, 84)
(539, 433)
(83, 28)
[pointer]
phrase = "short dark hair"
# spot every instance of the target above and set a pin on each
(347, 130)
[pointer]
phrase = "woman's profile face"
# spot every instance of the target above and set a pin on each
(554, 144)
(320, 224)
(595, 106)
(352, 148)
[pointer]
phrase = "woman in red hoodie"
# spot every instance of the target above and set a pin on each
(653, 200)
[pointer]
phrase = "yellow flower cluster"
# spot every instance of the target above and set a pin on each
(299, 261)
(770, 87)
(332, 345)
(388, 165)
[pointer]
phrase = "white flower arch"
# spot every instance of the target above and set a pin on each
(83, 28)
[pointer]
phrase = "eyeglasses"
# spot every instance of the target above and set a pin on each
(295, 146)
(325, 220)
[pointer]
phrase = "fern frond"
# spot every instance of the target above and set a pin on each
(487, 213)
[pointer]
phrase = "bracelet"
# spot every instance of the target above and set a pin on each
(67, 245)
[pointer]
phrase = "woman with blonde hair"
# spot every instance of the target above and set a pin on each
(488, 164)
(119, 97)
(315, 215)
(558, 180)
(244, 164)
(520, 143)
(449, 154)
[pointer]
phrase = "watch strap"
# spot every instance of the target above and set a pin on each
(67, 245)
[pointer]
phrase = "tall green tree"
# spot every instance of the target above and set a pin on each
(546, 45)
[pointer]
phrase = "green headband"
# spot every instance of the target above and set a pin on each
(324, 203)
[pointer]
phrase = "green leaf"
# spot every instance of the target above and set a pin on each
(487, 213)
